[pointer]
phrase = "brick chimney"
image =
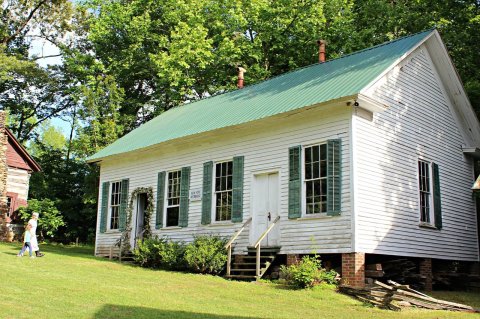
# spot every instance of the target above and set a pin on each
(3, 177)
(321, 50)
(241, 71)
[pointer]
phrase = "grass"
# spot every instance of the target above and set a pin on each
(70, 283)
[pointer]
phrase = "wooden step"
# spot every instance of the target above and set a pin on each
(249, 264)
(261, 257)
(266, 249)
(244, 277)
(244, 270)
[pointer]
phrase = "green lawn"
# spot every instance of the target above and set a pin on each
(70, 283)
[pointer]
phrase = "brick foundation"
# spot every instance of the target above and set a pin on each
(293, 259)
(353, 270)
(426, 272)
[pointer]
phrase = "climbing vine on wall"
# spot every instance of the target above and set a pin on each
(147, 232)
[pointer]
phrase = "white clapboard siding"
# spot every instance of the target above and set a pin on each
(417, 124)
(264, 145)
(18, 182)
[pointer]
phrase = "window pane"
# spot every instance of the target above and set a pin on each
(323, 169)
(172, 216)
(323, 152)
(316, 153)
(308, 155)
(316, 170)
(308, 171)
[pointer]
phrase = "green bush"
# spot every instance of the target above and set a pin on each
(307, 273)
(172, 255)
(160, 253)
(147, 252)
(50, 218)
(206, 255)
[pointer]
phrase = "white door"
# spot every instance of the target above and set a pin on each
(137, 220)
(265, 209)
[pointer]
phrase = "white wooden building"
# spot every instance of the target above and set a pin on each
(371, 153)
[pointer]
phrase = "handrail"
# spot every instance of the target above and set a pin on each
(257, 246)
(234, 237)
(265, 233)
(228, 246)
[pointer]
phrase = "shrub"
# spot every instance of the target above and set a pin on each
(147, 252)
(172, 255)
(160, 253)
(206, 255)
(307, 273)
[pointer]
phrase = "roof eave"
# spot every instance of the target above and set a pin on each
(35, 167)
(364, 101)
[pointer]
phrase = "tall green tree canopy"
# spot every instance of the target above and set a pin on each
(126, 61)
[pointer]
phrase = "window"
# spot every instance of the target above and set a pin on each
(115, 204)
(173, 198)
(223, 191)
(315, 179)
(9, 205)
(425, 187)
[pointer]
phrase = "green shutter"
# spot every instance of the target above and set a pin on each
(237, 189)
(160, 200)
(122, 216)
(207, 193)
(294, 182)
(184, 189)
(437, 205)
(104, 207)
(334, 177)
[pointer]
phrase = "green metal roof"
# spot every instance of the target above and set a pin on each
(307, 86)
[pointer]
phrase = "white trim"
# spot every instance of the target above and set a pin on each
(213, 209)
(457, 96)
(303, 205)
(109, 206)
(353, 179)
(165, 198)
(369, 104)
(431, 212)
(366, 88)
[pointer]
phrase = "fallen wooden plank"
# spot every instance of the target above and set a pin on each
(374, 273)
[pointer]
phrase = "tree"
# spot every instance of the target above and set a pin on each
(50, 218)
(458, 22)
(29, 92)
(160, 54)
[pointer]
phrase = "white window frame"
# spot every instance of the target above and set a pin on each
(166, 205)
(304, 181)
(214, 192)
(431, 212)
(111, 205)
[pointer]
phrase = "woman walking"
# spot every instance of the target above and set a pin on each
(33, 241)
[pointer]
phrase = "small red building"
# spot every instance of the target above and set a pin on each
(16, 167)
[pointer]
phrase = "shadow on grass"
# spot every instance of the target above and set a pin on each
(119, 311)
